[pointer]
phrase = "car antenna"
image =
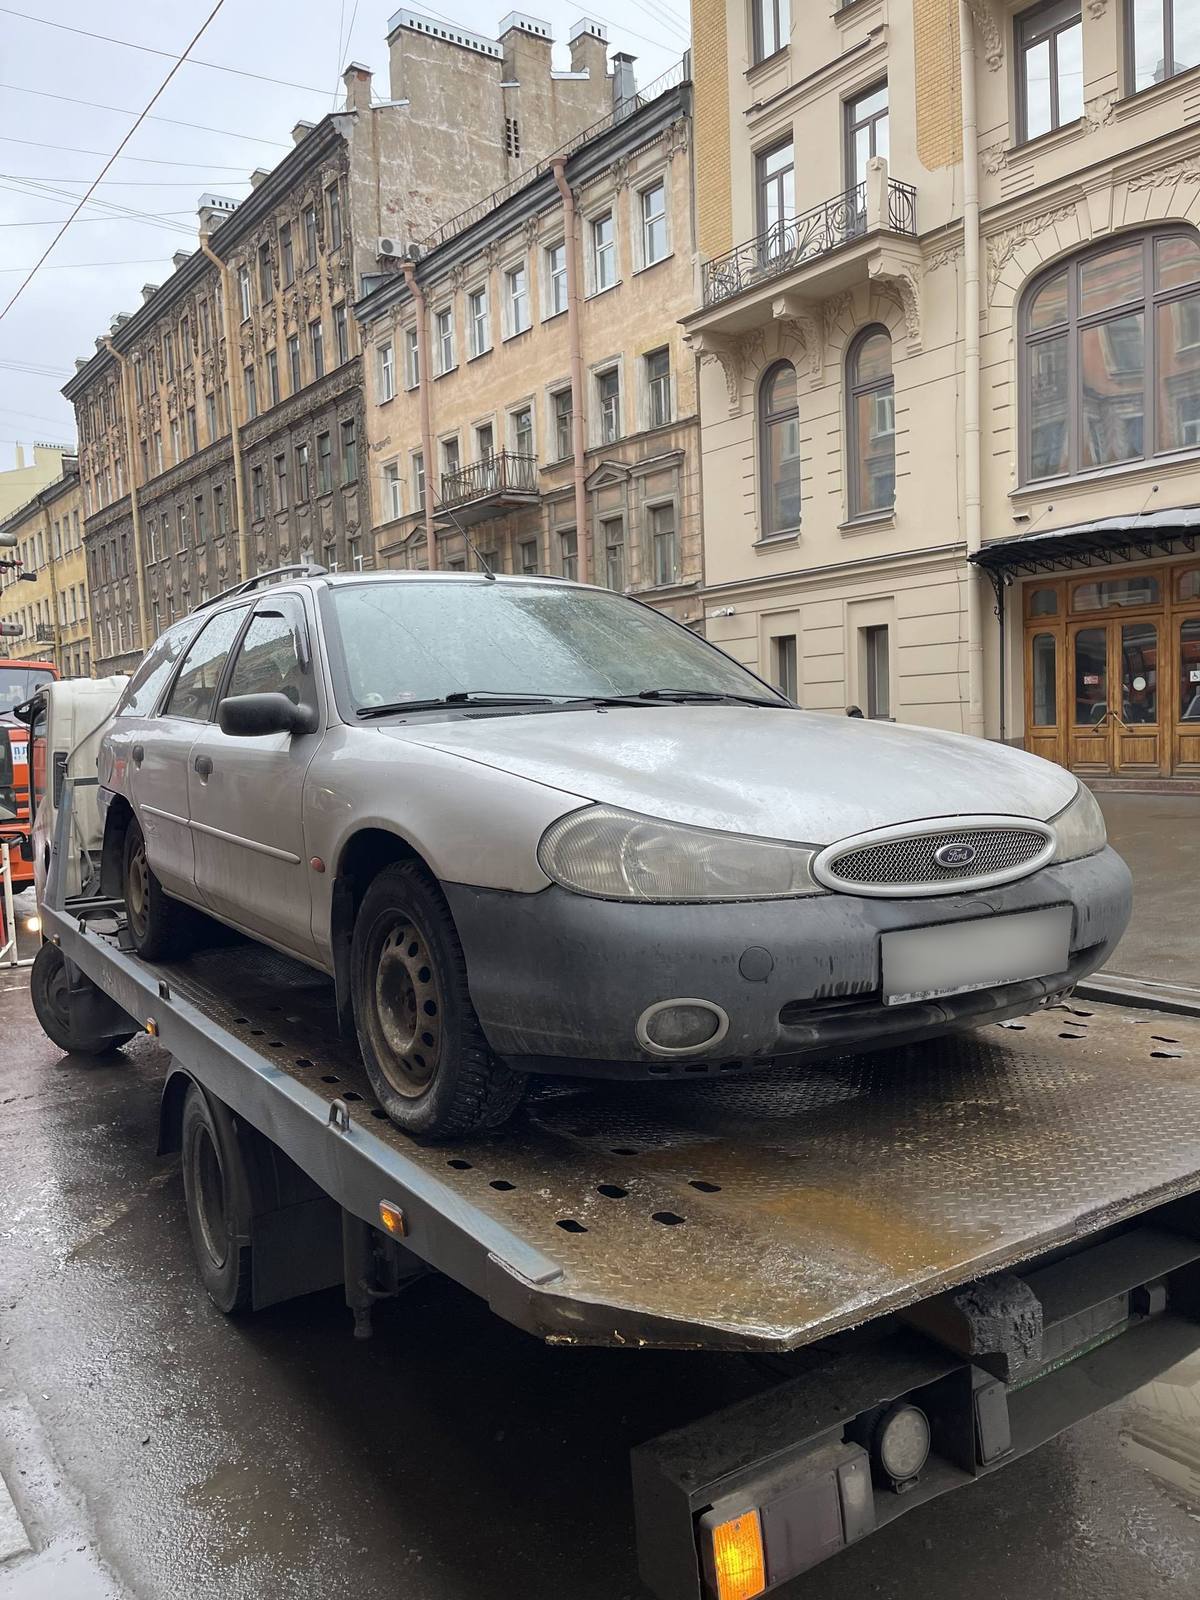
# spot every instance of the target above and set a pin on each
(467, 539)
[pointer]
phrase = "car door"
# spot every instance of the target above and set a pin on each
(246, 793)
(158, 751)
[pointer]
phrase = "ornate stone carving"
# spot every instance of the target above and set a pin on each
(832, 312)
(944, 257)
(529, 229)
(619, 173)
(805, 329)
(1186, 170)
(1097, 8)
(491, 254)
(1004, 246)
(458, 278)
(753, 351)
(993, 158)
(712, 347)
(902, 286)
(991, 36)
(677, 138)
(1097, 113)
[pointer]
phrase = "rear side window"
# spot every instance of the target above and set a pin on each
(141, 696)
(196, 686)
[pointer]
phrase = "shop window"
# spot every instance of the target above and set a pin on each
(1043, 603)
(1103, 594)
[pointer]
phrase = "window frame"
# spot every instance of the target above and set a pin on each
(855, 389)
(1026, 32)
(386, 368)
(660, 384)
(443, 328)
(646, 223)
(650, 572)
(479, 320)
(852, 123)
(600, 377)
(764, 421)
(511, 300)
(781, 20)
(599, 251)
(555, 279)
(1167, 8)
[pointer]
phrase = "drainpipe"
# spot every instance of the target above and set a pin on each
(418, 294)
(135, 506)
(582, 532)
(235, 402)
(972, 507)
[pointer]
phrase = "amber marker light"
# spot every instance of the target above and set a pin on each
(393, 1219)
(739, 1565)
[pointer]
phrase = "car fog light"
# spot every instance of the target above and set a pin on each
(679, 1027)
(901, 1443)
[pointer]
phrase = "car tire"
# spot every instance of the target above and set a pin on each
(48, 992)
(157, 924)
(216, 1191)
(421, 1041)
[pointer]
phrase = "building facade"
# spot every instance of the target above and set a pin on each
(21, 482)
(950, 398)
(221, 424)
(51, 611)
(527, 381)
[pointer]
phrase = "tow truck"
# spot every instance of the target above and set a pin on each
(936, 1258)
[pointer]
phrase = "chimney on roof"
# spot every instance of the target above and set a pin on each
(149, 290)
(357, 79)
(301, 130)
(213, 210)
(180, 259)
(589, 47)
(259, 175)
(624, 84)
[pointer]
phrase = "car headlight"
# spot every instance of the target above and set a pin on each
(618, 855)
(1079, 827)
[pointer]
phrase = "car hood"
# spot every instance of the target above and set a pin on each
(802, 776)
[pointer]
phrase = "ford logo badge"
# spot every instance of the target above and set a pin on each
(954, 855)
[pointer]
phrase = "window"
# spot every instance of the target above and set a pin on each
(604, 253)
(324, 464)
(310, 236)
(444, 332)
(775, 197)
(266, 287)
(664, 545)
(302, 478)
(658, 388)
(281, 482)
(205, 325)
(201, 519)
(294, 374)
(182, 515)
(560, 403)
(485, 442)
(654, 223)
(268, 659)
(210, 417)
(251, 394)
(1049, 67)
(273, 376)
(243, 279)
(412, 358)
(349, 451)
(1110, 363)
(528, 552)
(871, 423)
(176, 452)
(451, 460)
(608, 397)
(418, 466)
(220, 510)
(258, 499)
(341, 334)
(866, 132)
(779, 450)
(783, 663)
(516, 290)
(522, 431)
(147, 683)
(556, 279)
(876, 671)
(612, 535)
(192, 438)
(185, 341)
(480, 322)
(286, 256)
(316, 341)
(1163, 39)
(333, 206)
(512, 137)
(393, 494)
(158, 451)
(387, 371)
(138, 379)
(169, 356)
(166, 533)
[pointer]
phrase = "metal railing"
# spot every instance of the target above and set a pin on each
(790, 244)
(502, 473)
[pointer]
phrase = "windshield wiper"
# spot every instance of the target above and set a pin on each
(459, 697)
(704, 697)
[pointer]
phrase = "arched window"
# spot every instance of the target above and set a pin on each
(779, 449)
(871, 424)
(1110, 368)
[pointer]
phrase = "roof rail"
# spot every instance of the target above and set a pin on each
(308, 568)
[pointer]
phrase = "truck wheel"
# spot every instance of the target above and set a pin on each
(216, 1189)
(51, 1003)
(421, 1041)
(156, 923)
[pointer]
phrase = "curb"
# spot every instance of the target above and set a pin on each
(1176, 999)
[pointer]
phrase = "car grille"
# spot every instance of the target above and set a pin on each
(910, 862)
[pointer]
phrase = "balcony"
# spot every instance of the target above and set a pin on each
(43, 633)
(489, 488)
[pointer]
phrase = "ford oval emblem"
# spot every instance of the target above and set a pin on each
(954, 855)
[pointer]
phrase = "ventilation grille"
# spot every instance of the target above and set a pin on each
(912, 862)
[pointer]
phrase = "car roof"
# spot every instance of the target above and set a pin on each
(317, 580)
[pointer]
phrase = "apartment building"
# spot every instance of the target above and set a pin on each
(221, 424)
(949, 391)
(527, 383)
(20, 482)
(52, 610)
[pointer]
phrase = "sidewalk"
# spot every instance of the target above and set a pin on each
(1159, 836)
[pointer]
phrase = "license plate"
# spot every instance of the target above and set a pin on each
(956, 957)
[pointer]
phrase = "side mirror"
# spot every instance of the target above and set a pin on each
(26, 848)
(247, 716)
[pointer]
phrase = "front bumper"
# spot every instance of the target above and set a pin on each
(559, 981)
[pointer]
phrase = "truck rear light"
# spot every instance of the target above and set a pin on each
(739, 1566)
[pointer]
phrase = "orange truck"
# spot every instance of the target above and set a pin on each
(18, 681)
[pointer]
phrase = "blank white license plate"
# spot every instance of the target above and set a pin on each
(955, 957)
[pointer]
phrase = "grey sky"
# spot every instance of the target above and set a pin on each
(73, 298)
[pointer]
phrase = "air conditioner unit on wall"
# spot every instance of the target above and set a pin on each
(389, 247)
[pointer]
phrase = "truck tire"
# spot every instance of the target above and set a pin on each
(217, 1192)
(48, 991)
(421, 1041)
(158, 925)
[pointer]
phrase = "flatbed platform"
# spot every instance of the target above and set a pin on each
(759, 1214)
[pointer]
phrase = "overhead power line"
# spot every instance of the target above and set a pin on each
(25, 282)
(113, 209)
(52, 222)
(124, 111)
(121, 183)
(89, 266)
(150, 50)
(146, 161)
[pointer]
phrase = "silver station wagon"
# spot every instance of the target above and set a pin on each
(530, 826)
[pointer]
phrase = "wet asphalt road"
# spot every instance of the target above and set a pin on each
(157, 1451)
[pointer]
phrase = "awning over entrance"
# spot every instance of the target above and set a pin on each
(1091, 544)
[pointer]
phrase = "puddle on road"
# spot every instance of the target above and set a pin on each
(1160, 1431)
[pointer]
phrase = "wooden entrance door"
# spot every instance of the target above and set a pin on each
(1186, 695)
(1115, 708)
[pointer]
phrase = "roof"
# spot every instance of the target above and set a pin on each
(1099, 542)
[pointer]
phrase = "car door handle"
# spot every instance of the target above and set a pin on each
(203, 765)
(139, 754)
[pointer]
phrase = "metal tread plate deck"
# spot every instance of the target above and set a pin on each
(759, 1213)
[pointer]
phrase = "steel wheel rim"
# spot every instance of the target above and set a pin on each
(408, 1007)
(137, 889)
(57, 993)
(210, 1197)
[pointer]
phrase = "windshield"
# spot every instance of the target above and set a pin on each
(413, 640)
(18, 683)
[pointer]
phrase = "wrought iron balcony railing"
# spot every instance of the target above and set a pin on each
(503, 473)
(793, 243)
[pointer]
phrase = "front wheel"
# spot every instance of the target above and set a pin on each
(156, 923)
(421, 1041)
